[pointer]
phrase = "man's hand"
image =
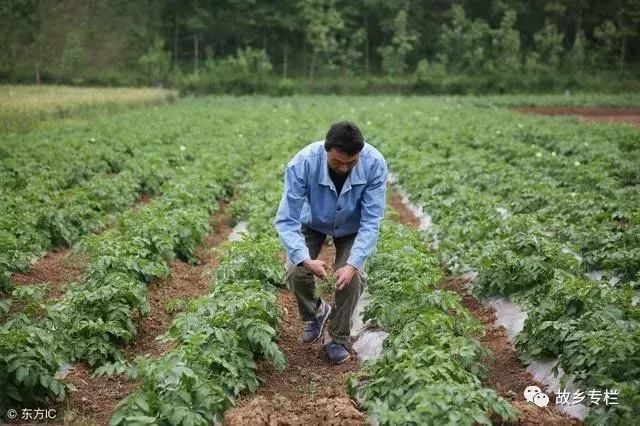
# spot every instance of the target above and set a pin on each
(316, 267)
(344, 276)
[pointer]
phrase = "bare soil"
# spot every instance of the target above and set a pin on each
(54, 270)
(310, 391)
(95, 399)
(589, 114)
(507, 375)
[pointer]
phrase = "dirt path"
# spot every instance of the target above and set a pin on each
(309, 391)
(589, 114)
(507, 375)
(95, 399)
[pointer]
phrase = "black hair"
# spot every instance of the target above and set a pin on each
(344, 136)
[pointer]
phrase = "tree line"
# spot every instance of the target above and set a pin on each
(163, 40)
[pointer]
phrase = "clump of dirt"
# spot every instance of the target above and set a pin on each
(144, 198)
(593, 114)
(281, 410)
(310, 390)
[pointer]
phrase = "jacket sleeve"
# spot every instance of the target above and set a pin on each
(287, 221)
(371, 214)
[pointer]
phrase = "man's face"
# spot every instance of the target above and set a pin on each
(340, 162)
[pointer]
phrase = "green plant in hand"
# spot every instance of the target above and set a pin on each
(326, 286)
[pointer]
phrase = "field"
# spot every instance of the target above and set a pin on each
(122, 303)
(23, 108)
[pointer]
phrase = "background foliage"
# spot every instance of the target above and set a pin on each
(429, 46)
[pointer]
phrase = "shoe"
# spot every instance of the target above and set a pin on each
(337, 353)
(313, 329)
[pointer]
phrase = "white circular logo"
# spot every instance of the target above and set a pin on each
(541, 399)
(534, 394)
(530, 392)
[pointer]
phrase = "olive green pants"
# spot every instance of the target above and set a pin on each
(302, 283)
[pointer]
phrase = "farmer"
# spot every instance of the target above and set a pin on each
(333, 187)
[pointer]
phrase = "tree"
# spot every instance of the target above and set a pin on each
(463, 43)
(323, 22)
(394, 55)
(350, 51)
(577, 56)
(613, 37)
(506, 44)
(156, 62)
(23, 33)
(548, 44)
(72, 62)
(196, 24)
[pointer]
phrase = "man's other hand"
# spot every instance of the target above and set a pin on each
(344, 276)
(316, 267)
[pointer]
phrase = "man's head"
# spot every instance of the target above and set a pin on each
(343, 145)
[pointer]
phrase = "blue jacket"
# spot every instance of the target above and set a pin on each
(310, 199)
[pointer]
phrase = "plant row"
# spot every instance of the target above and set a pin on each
(219, 337)
(71, 181)
(577, 184)
(220, 137)
(432, 363)
(96, 317)
(538, 207)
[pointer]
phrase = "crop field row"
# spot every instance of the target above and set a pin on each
(546, 211)
(539, 208)
(220, 336)
(432, 367)
(99, 314)
(62, 184)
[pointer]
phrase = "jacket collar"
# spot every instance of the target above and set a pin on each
(356, 176)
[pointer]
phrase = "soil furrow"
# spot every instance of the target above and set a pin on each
(310, 391)
(95, 399)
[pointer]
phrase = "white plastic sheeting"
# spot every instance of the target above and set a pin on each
(418, 211)
(368, 344)
(542, 370)
(511, 316)
(503, 212)
(357, 324)
(508, 314)
(599, 275)
(64, 370)
(238, 231)
(595, 275)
